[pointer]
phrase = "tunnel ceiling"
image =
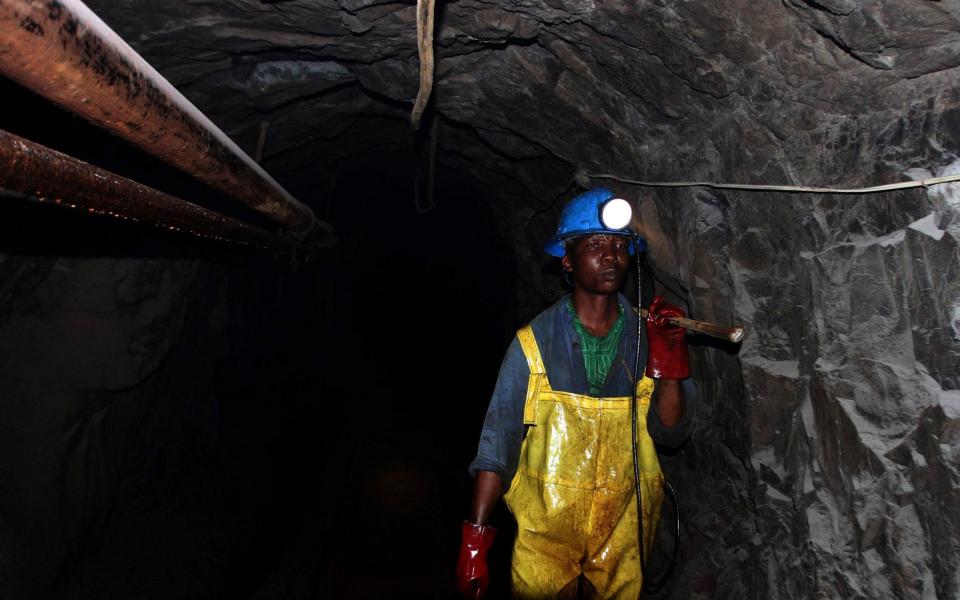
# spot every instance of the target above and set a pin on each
(535, 90)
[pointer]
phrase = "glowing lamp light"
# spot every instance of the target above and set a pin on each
(616, 213)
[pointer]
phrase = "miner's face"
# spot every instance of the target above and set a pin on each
(597, 263)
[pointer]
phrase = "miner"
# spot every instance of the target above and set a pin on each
(557, 439)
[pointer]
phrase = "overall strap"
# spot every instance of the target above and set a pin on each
(645, 389)
(538, 374)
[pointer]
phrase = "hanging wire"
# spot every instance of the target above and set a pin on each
(425, 24)
(791, 189)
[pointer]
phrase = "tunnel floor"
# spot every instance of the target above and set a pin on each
(381, 520)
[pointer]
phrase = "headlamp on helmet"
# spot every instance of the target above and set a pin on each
(594, 211)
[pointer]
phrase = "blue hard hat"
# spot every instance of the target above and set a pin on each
(581, 216)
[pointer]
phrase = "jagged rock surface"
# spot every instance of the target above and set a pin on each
(826, 462)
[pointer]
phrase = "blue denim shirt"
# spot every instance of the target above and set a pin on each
(499, 449)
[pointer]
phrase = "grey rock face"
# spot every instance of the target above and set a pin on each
(826, 462)
(74, 328)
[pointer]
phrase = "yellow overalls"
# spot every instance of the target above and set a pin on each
(573, 495)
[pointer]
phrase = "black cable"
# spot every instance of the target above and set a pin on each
(633, 427)
(653, 585)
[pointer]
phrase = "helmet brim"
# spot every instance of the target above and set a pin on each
(557, 246)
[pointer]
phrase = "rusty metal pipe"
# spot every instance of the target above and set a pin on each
(51, 176)
(61, 50)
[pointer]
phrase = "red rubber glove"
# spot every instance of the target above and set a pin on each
(667, 344)
(472, 574)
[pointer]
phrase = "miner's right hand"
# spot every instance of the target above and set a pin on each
(473, 577)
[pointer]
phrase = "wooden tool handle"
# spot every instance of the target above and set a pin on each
(733, 334)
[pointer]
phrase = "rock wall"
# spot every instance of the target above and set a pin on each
(74, 332)
(838, 415)
(840, 421)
